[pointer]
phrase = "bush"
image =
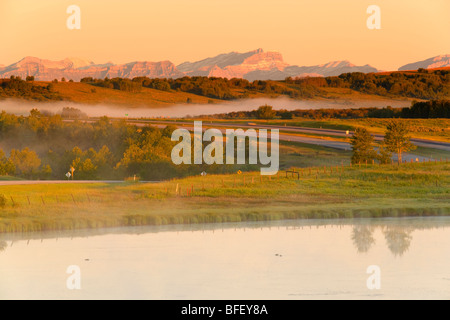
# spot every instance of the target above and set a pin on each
(2, 201)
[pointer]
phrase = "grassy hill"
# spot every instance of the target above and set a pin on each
(86, 93)
(352, 88)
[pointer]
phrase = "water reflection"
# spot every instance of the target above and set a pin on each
(3, 246)
(398, 239)
(398, 233)
(362, 237)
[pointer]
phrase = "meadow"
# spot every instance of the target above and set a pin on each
(330, 191)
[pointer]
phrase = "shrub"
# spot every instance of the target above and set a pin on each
(2, 201)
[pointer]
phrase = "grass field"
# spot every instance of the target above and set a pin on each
(320, 192)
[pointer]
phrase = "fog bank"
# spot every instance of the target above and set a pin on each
(183, 110)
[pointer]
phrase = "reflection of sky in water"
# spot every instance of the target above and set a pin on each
(280, 260)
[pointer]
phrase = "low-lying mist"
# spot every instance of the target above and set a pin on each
(185, 110)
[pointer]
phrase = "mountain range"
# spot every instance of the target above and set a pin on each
(253, 65)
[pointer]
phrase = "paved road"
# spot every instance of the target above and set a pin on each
(330, 132)
(33, 182)
(341, 145)
(317, 141)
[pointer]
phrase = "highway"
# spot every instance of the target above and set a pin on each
(329, 132)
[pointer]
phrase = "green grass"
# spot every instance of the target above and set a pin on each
(347, 192)
(432, 153)
(306, 155)
(9, 178)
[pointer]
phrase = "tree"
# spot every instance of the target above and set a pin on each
(6, 165)
(397, 140)
(286, 114)
(27, 162)
(265, 112)
(384, 155)
(29, 78)
(362, 145)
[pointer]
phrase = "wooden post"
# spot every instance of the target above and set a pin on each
(89, 199)
(29, 202)
(73, 198)
(43, 202)
(13, 201)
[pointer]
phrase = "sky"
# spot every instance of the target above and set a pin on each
(305, 32)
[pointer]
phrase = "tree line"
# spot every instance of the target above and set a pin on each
(418, 110)
(27, 89)
(44, 146)
(423, 84)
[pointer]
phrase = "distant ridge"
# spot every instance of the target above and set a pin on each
(252, 65)
(260, 65)
(431, 63)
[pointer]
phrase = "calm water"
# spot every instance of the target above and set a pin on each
(316, 259)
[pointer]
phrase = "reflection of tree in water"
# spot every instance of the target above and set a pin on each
(362, 237)
(3, 246)
(398, 239)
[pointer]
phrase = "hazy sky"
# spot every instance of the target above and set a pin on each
(306, 32)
